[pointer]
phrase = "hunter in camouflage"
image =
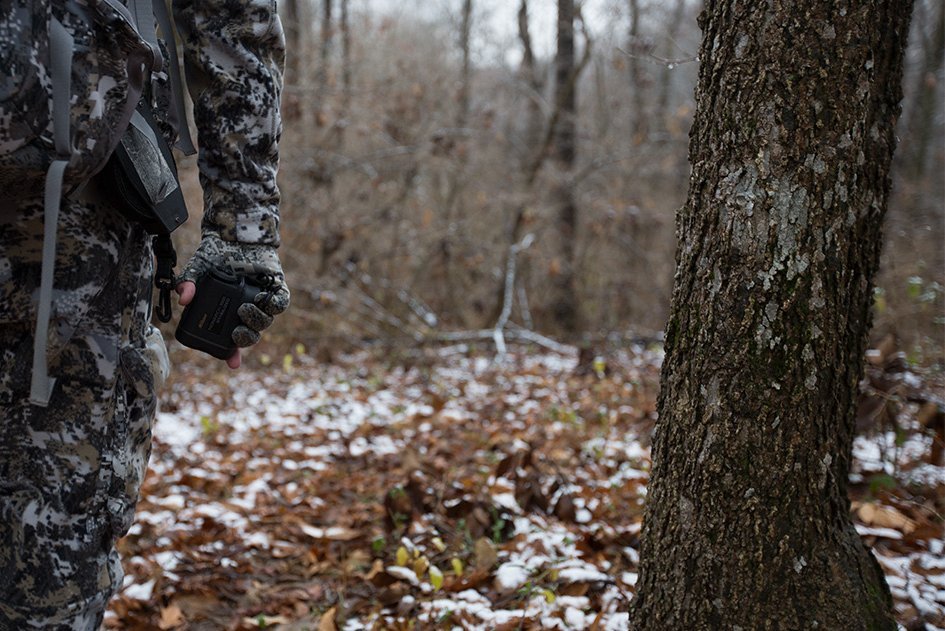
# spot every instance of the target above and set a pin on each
(70, 472)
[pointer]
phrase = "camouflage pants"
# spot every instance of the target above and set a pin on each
(70, 473)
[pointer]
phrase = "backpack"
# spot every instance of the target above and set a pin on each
(72, 74)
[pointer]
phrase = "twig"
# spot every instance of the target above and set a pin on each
(661, 61)
(539, 339)
(523, 307)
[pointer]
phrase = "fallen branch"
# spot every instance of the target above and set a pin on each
(508, 298)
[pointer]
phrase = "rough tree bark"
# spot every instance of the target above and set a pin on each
(564, 303)
(747, 521)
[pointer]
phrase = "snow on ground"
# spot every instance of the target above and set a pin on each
(301, 476)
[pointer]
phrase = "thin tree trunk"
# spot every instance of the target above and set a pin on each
(920, 121)
(747, 520)
(455, 177)
(532, 79)
(462, 111)
(602, 99)
(637, 48)
(324, 62)
(664, 100)
(320, 136)
(553, 143)
(564, 303)
(345, 113)
(534, 149)
(294, 40)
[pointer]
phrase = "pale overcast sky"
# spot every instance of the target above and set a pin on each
(495, 21)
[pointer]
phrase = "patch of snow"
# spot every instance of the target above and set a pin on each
(142, 591)
(886, 533)
(926, 475)
(507, 500)
(583, 574)
(629, 578)
(171, 430)
(403, 574)
(257, 540)
(167, 559)
(510, 576)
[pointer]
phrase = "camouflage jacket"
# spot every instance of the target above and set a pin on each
(234, 54)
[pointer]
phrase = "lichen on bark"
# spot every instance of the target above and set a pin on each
(747, 522)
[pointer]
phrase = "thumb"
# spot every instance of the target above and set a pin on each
(186, 290)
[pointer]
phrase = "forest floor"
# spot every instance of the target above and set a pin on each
(448, 492)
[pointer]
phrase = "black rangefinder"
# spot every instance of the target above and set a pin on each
(208, 321)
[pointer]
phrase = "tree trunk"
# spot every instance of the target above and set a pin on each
(920, 122)
(294, 39)
(533, 82)
(345, 73)
(747, 520)
(637, 48)
(324, 62)
(564, 304)
(462, 111)
(664, 102)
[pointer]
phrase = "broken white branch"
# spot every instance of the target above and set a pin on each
(508, 299)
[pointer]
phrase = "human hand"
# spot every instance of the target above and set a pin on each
(256, 316)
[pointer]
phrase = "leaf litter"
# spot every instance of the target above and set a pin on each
(452, 492)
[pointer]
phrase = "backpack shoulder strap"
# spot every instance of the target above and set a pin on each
(61, 45)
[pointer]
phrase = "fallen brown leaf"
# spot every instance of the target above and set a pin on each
(327, 621)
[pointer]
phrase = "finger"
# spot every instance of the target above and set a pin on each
(186, 290)
(273, 302)
(254, 317)
(234, 360)
(245, 336)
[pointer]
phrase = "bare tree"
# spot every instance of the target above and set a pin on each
(565, 300)
(664, 102)
(294, 37)
(533, 84)
(638, 48)
(920, 117)
(324, 62)
(345, 71)
(748, 521)
(462, 110)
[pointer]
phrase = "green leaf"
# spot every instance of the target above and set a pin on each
(402, 556)
(436, 577)
(378, 544)
(882, 482)
(208, 425)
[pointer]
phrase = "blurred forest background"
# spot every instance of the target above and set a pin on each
(455, 165)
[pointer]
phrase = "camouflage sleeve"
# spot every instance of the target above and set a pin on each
(234, 55)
